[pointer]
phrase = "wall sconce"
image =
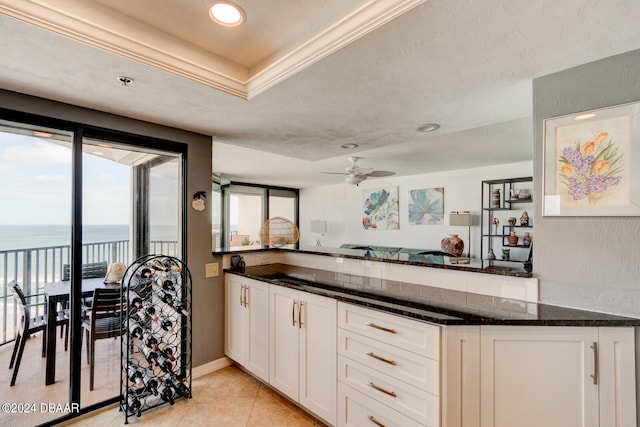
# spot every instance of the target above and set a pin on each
(463, 219)
(318, 228)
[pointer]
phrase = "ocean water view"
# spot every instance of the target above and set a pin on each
(38, 236)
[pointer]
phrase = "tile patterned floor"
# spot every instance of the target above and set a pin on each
(226, 398)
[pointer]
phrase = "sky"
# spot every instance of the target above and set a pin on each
(35, 186)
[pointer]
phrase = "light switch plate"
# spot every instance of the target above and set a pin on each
(211, 270)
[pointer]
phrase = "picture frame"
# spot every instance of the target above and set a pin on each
(591, 163)
(425, 206)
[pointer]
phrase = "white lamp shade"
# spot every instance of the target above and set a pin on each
(318, 226)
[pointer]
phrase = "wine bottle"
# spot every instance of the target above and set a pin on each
(167, 325)
(166, 351)
(150, 382)
(150, 341)
(135, 329)
(166, 394)
(134, 374)
(133, 402)
(166, 297)
(157, 265)
(179, 306)
(168, 285)
(146, 273)
(178, 386)
(164, 364)
(150, 355)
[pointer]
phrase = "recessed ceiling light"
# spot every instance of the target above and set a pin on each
(428, 127)
(226, 13)
(41, 134)
(349, 146)
(124, 80)
(585, 116)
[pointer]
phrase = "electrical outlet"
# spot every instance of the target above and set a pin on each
(211, 270)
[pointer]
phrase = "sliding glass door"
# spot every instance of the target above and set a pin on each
(77, 202)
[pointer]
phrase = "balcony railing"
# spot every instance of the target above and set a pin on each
(33, 267)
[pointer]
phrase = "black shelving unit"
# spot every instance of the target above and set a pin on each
(520, 257)
(156, 345)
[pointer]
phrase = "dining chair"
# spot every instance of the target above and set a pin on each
(94, 269)
(31, 323)
(102, 321)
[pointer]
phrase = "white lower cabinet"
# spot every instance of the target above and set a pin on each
(388, 369)
(541, 376)
(303, 349)
(247, 324)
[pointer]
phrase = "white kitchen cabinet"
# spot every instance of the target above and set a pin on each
(247, 324)
(303, 349)
(499, 376)
(388, 369)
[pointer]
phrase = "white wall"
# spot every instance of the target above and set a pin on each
(341, 206)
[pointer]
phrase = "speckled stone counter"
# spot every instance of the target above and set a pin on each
(417, 257)
(427, 303)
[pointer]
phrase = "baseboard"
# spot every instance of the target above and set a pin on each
(210, 367)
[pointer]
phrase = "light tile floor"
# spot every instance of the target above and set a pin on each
(228, 397)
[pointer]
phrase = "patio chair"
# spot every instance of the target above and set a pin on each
(94, 269)
(31, 323)
(102, 321)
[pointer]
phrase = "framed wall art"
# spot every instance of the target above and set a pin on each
(380, 209)
(426, 206)
(592, 163)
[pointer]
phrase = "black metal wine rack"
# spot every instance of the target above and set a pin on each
(156, 345)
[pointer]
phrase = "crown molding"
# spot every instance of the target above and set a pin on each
(98, 26)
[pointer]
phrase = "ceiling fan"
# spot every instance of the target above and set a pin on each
(354, 174)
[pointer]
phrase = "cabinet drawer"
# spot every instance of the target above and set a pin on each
(408, 334)
(357, 410)
(410, 401)
(404, 365)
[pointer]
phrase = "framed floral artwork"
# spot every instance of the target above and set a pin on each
(380, 209)
(592, 163)
(426, 206)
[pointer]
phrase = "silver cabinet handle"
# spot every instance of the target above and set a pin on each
(300, 315)
(380, 389)
(596, 364)
(242, 296)
(293, 313)
(246, 296)
(376, 422)
(382, 359)
(382, 328)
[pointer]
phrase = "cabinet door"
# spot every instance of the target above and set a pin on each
(257, 304)
(538, 376)
(318, 355)
(283, 372)
(235, 319)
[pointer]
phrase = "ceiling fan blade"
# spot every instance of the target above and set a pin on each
(378, 174)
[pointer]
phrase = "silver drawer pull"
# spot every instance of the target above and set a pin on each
(376, 422)
(382, 328)
(380, 389)
(382, 359)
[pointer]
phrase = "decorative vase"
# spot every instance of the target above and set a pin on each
(491, 255)
(452, 244)
(512, 220)
(513, 239)
(526, 240)
(494, 225)
(495, 199)
(506, 253)
(524, 219)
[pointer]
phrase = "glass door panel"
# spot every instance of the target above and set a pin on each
(35, 239)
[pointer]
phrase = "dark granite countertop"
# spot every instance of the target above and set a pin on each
(428, 303)
(419, 257)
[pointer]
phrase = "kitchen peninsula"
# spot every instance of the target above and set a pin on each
(416, 341)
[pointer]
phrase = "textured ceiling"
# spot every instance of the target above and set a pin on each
(467, 65)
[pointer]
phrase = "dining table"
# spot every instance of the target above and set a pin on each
(58, 293)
